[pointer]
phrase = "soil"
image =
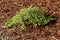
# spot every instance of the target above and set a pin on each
(51, 31)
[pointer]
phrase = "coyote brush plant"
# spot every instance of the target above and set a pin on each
(31, 15)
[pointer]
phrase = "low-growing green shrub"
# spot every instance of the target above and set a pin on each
(31, 15)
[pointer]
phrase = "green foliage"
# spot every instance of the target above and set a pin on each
(31, 15)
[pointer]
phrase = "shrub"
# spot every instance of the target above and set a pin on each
(31, 15)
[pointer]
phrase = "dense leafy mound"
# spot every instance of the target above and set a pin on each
(31, 15)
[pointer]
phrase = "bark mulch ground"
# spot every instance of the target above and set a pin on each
(51, 31)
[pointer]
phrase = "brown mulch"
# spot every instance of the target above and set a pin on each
(51, 31)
